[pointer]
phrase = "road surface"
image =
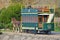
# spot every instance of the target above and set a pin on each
(28, 36)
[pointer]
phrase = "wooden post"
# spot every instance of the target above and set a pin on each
(21, 23)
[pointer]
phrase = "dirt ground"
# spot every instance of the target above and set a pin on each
(28, 36)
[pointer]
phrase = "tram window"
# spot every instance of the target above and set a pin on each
(45, 18)
(40, 20)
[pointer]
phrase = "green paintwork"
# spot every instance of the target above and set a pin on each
(29, 24)
(52, 10)
(47, 26)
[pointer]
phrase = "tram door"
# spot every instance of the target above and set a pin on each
(42, 19)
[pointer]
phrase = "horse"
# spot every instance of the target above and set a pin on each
(16, 25)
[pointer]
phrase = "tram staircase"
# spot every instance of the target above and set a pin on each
(50, 18)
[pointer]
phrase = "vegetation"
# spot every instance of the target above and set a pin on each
(57, 27)
(14, 10)
(57, 13)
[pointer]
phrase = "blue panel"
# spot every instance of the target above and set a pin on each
(33, 10)
(29, 14)
(26, 10)
(30, 25)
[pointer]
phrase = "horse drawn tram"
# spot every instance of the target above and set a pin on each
(36, 21)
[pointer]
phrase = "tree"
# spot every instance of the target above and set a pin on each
(57, 12)
(14, 10)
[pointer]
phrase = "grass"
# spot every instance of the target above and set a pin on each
(5, 30)
(57, 29)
